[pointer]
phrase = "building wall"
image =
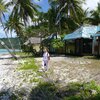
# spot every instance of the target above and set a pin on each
(96, 46)
(36, 47)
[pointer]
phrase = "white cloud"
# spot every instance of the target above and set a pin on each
(91, 4)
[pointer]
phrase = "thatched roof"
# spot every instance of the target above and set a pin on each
(33, 40)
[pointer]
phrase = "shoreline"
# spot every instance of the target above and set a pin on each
(5, 56)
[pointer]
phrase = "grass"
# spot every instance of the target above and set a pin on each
(73, 91)
(29, 64)
(23, 54)
(30, 68)
(52, 90)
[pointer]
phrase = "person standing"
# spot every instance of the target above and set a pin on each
(46, 58)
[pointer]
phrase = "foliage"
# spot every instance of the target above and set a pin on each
(23, 10)
(7, 95)
(69, 14)
(16, 25)
(73, 91)
(95, 16)
(23, 54)
(52, 13)
(45, 91)
(57, 43)
(29, 64)
(2, 7)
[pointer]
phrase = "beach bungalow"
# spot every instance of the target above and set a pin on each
(80, 41)
(96, 44)
(33, 43)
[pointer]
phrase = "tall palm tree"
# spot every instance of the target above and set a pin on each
(13, 24)
(23, 9)
(72, 9)
(69, 14)
(19, 15)
(52, 14)
(3, 8)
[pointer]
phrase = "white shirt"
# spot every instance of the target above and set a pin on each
(45, 56)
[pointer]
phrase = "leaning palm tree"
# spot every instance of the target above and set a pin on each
(13, 24)
(2, 11)
(19, 15)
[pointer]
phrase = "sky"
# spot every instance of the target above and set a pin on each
(91, 4)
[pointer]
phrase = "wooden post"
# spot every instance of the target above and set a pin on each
(81, 44)
(65, 47)
(75, 47)
(98, 46)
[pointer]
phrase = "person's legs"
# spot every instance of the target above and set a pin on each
(46, 65)
(43, 64)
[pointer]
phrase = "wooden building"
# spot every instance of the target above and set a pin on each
(33, 43)
(80, 41)
(96, 44)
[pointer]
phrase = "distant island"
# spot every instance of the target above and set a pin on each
(14, 41)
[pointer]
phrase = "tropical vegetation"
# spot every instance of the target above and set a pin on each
(63, 16)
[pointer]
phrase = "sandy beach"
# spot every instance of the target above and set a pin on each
(11, 79)
(62, 69)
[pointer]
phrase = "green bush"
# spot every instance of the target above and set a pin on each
(57, 43)
(29, 64)
(73, 91)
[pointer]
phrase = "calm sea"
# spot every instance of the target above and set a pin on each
(4, 51)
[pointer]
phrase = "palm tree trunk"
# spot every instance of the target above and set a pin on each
(12, 44)
(3, 44)
(7, 36)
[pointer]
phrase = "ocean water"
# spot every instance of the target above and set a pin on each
(4, 51)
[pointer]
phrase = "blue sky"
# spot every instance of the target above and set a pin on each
(43, 3)
(91, 4)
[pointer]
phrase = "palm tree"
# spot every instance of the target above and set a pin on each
(20, 15)
(95, 16)
(51, 15)
(13, 24)
(3, 8)
(69, 14)
(23, 10)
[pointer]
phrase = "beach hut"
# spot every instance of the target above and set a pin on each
(33, 43)
(96, 44)
(80, 41)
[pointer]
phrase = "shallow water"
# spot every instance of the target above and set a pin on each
(4, 51)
